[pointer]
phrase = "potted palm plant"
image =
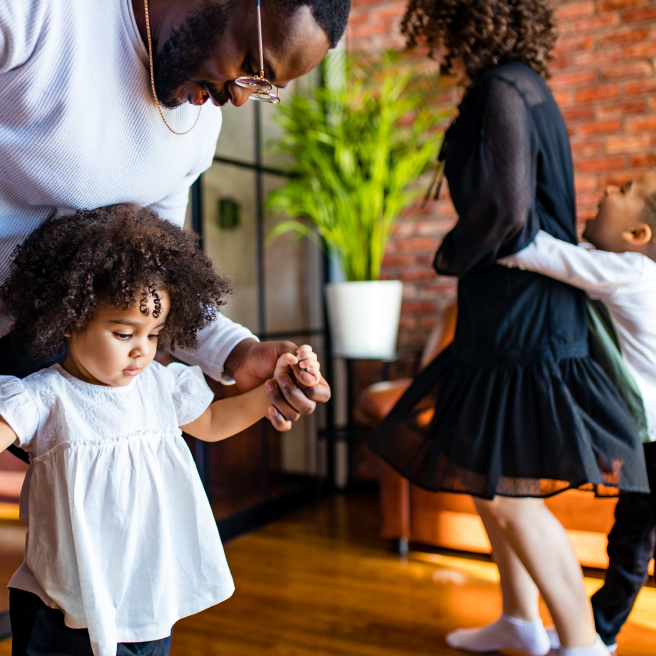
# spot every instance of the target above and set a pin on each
(357, 148)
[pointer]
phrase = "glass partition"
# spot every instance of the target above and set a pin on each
(278, 295)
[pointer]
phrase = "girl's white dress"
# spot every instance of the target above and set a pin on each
(121, 536)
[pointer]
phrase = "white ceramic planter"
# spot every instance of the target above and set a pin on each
(364, 317)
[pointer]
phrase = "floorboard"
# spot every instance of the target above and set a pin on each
(322, 583)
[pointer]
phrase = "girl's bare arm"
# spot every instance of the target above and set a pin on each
(230, 416)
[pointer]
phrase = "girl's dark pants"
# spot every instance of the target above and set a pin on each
(40, 631)
(37, 629)
(630, 549)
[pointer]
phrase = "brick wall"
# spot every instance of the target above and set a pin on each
(604, 78)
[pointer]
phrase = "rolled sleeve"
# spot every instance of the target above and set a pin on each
(215, 343)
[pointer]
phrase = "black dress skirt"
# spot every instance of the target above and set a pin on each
(515, 406)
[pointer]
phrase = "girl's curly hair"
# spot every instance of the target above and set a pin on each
(120, 254)
(484, 32)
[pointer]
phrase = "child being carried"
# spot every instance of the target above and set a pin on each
(618, 267)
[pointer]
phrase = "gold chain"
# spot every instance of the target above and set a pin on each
(152, 80)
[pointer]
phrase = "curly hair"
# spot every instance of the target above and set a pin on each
(121, 255)
(484, 32)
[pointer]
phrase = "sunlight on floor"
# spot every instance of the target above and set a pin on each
(644, 612)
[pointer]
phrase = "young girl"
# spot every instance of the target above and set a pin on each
(515, 409)
(121, 538)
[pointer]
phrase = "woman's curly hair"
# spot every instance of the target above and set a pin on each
(122, 255)
(484, 32)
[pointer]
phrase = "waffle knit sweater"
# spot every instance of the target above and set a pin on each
(79, 129)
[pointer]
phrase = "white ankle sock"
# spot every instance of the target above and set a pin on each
(596, 649)
(505, 633)
(553, 637)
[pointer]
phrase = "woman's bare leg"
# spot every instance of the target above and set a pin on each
(541, 544)
(520, 627)
(520, 594)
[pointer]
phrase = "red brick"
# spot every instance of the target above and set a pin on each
(563, 98)
(643, 161)
(638, 87)
(357, 19)
(575, 113)
(623, 71)
(601, 164)
(599, 127)
(641, 124)
(567, 45)
(625, 36)
(414, 243)
(425, 260)
(609, 5)
(440, 285)
(364, 3)
(397, 260)
(586, 149)
(559, 63)
(589, 200)
(586, 182)
(575, 10)
(617, 179)
(411, 275)
(430, 228)
(417, 307)
(600, 92)
(394, 11)
(646, 14)
(584, 217)
(622, 144)
(575, 79)
(607, 55)
(622, 109)
(610, 19)
(403, 228)
(646, 49)
(407, 321)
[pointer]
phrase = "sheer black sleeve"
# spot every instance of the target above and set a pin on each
(493, 188)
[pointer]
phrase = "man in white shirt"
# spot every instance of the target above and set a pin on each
(620, 272)
(81, 127)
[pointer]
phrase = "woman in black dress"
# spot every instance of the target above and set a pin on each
(514, 410)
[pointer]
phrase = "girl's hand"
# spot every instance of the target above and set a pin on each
(305, 364)
(293, 375)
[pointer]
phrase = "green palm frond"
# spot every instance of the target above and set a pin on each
(357, 149)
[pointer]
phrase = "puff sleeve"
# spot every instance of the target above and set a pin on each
(18, 409)
(190, 393)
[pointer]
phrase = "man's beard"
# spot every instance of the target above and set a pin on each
(187, 48)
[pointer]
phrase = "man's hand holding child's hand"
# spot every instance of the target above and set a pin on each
(304, 366)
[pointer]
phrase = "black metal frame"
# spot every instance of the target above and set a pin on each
(269, 509)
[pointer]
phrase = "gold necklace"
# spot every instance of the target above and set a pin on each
(152, 80)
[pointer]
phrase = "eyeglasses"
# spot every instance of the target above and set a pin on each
(261, 87)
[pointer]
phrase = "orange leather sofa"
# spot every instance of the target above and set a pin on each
(450, 521)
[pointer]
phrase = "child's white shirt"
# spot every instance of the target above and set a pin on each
(121, 536)
(625, 282)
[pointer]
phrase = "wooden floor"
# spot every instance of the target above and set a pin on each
(322, 583)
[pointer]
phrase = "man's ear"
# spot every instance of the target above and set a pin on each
(639, 235)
